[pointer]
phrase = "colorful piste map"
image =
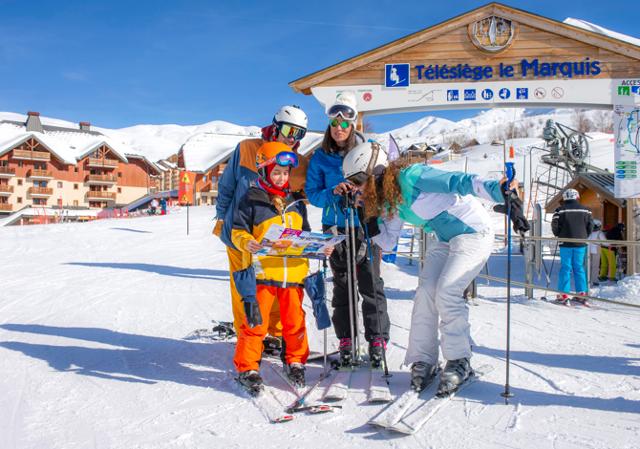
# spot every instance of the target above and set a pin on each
(626, 119)
(281, 241)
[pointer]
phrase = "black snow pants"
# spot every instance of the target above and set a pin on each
(369, 285)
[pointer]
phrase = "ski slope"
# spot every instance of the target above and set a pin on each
(95, 352)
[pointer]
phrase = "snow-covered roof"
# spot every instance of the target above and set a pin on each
(601, 30)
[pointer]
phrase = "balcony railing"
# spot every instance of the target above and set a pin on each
(100, 195)
(6, 207)
(40, 191)
(101, 179)
(6, 172)
(6, 189)
(39, 174)
(31, 155)
(98, 162)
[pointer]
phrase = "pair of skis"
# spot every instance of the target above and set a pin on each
(338, 388)
(411, 410)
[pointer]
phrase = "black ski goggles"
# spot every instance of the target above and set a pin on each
(359, 178)
(347, 112)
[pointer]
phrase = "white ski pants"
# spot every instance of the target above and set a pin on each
(439, 304)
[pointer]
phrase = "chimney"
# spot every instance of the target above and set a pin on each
(33, 122)
(85, 126)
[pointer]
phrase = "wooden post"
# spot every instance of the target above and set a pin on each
(360, 122)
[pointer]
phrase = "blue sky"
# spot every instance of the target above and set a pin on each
(119, 63)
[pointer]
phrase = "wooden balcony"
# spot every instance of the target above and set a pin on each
(39, 174)
(6, 190)
(40, 191)
(6, 207)
(95, 195)
(29, 155)
(101, 179)
(6, 172)
(102, 163)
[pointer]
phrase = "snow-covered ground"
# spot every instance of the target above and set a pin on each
(95, 352)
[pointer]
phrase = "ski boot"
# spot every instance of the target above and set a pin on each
(272, 346)
(251, 381)
(563, 300)
(376, 349)
(295, 373)
(581, 299)
(455, 373)
(344, 350)
(422, 375)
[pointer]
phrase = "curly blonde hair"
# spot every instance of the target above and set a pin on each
(382, 195)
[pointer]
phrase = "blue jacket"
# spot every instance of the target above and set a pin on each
(323, 175)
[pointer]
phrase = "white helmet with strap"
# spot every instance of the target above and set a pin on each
(570, 194)
(291, 115)
(364, 160)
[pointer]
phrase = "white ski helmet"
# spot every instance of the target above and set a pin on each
(291, 115)
(597, 224)
(570, 194)
(364, 160)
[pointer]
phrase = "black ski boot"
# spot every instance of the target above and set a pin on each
(376, 350)
(295, 373)
(455, 373)
(422, 375)
(251, 381)
(345, 348)
(272, 346)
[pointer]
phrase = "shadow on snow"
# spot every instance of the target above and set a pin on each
(166, 270)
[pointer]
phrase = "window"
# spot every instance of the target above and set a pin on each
(75, 187)
(75, 169)
(75, 203)
(119, 174)
(20, 164)
(19, 182)
(19, 200)
(59, 184)
(119, 190)
(39, 201)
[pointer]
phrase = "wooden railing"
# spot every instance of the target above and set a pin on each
(4, 188)
(7, 171)
(101, 195)
(6, 207)
(101, 178)
(40, 191)
(37, 173)
(97, 162)
(31, 155)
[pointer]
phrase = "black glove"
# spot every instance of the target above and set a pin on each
(252, 311)
(519, 221)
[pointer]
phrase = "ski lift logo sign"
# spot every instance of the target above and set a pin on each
(492, 34)
(396, 75)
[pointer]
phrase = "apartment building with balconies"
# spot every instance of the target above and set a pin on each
(46, 165)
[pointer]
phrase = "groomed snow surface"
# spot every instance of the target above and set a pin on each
(95, 352)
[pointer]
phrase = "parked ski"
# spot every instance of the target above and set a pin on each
(265, 401)
(338, 389)
(378, 387)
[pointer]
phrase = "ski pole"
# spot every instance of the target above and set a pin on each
(374, 276)
(354, 271)
(350, 270)
(324, 331)
(510, 172)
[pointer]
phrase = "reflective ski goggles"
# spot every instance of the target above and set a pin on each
(344, 124)
(284, 159)
(291, 131)
(358, 178)
(347, 112)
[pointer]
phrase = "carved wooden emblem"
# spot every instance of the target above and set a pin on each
(492, 34)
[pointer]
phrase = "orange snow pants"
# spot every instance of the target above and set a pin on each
(294, 330)
(272, 318)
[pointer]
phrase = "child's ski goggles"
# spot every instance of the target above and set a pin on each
(347, 112)
(291, 131)
(284, 159)
(344, 124)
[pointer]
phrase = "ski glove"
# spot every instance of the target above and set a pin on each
(518, 220)
(252, 311)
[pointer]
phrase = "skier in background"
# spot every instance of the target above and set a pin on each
(289, 126)
(594, 252)
(572, 220)
(441, 202)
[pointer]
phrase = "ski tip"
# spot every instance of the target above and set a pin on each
(282, 419)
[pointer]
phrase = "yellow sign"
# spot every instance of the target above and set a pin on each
(185, 178)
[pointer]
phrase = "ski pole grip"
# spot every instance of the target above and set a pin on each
(510, 173)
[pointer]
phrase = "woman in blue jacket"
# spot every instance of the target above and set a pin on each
(326, 188)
